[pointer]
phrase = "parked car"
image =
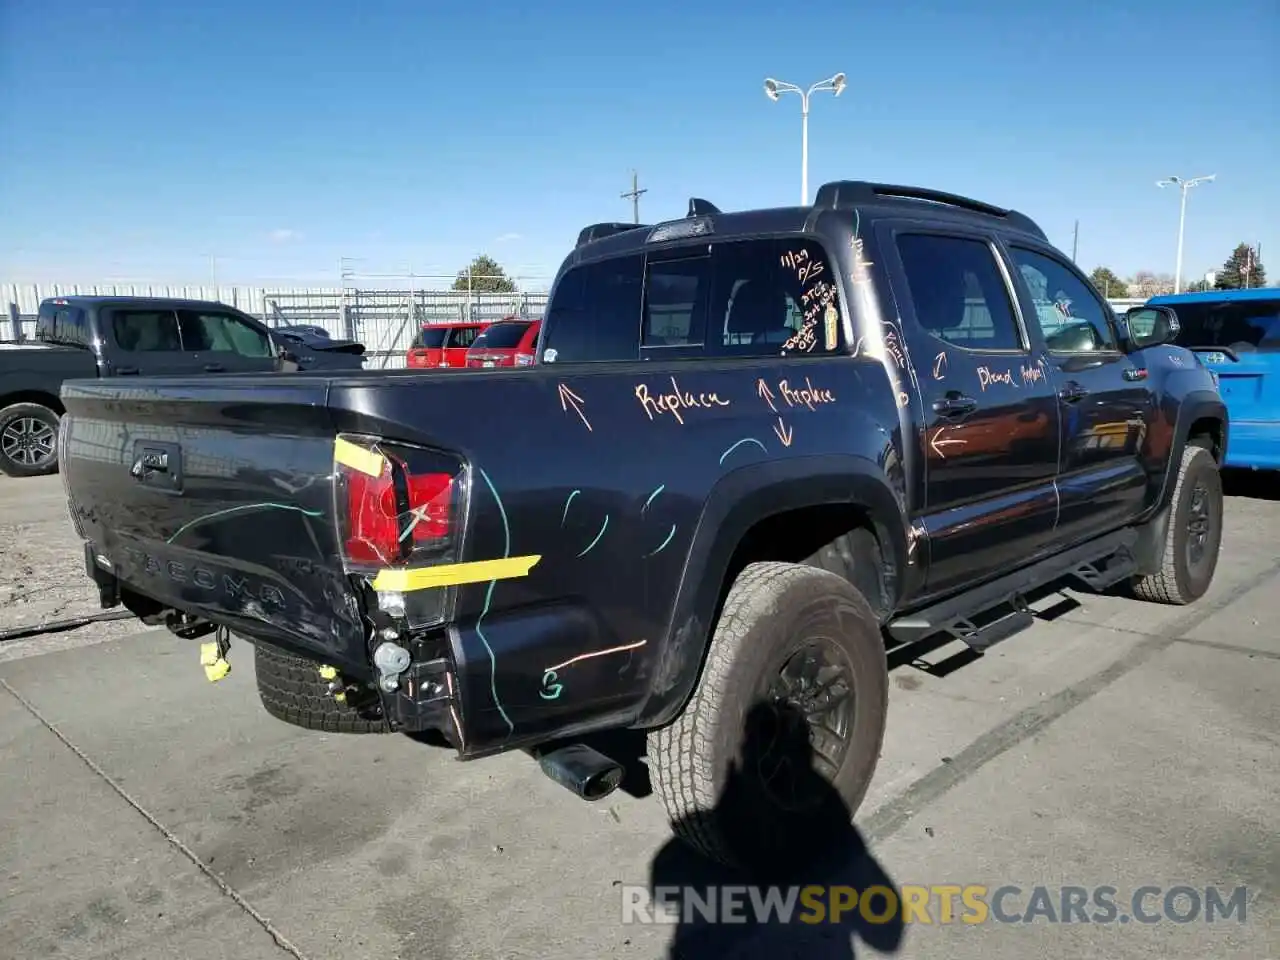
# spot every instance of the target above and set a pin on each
(136, 336)
(507, 343)
(443, 344)
(742, 461)
(1236, 334)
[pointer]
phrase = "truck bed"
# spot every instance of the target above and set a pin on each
(582, 492)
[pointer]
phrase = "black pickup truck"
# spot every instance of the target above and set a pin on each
(80, 337)
(756, 447)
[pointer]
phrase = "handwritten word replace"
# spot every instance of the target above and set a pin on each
(676, 401)
(806, 396)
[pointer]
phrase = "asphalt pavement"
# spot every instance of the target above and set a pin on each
(1116, 744)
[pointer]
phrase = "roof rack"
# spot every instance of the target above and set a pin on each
(844, 193)
(598, 231)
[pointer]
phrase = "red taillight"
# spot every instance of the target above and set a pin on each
(389, 514)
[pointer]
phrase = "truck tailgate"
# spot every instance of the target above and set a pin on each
(228, 515)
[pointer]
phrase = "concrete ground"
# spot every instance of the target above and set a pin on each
(149, 814)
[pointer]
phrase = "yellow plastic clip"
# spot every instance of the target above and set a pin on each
(328, 673)
(213, 656)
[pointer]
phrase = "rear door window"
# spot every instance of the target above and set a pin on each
(959, 294)
(146, 331)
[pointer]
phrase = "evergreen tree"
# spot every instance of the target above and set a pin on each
(485, 275)
(1242, 269)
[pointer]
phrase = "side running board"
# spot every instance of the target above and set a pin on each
(975, 617)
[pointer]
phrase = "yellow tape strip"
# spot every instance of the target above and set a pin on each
(357, 458)
(449, 574)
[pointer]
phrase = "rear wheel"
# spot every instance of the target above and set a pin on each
(292, 690)
(28, 440)
(1195, 533)
(776, 749)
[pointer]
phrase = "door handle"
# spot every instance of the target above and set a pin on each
(954, 405)
(1072, 392)
(214, 368)
(126, 371)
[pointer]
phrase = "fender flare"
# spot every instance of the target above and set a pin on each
(1153, 532)
(736, 503)
(1195, 405)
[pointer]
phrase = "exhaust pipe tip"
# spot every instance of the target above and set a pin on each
(583, 771)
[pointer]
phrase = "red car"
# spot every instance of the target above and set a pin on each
(507, 343)
(443, 344)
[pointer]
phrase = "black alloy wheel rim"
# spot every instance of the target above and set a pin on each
(1199, 526)
(808, 725)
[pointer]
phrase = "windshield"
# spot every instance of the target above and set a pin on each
(1229, 323)
(502, 335)
(430, 338)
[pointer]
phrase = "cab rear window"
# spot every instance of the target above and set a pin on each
(62, 323)
(1230, 323)
(502, 335)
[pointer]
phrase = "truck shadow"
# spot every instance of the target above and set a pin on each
(828, 856)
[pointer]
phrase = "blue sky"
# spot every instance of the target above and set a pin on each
(142, 137)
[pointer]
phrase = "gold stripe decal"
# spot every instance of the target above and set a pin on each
(357, 458)
(451, 574)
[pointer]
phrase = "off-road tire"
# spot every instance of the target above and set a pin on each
(1177, 582)
(770, 608)
(292, 690)
(40, 414)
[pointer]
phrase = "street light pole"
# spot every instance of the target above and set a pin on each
(1183, 186)
(772, 89)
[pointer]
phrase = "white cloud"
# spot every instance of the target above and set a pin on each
(284, 235)
(508, 238)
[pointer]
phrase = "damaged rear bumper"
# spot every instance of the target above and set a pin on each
(487, 684)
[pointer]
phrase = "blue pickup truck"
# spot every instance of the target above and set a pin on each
(1236, 334)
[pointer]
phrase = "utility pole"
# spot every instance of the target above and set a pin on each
(634, 196)
(1075, 241)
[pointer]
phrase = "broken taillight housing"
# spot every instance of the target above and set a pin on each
(398, 507)
(389, 515)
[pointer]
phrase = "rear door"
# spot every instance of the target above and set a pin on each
(147, 343)
(991, 435)
(223, 342)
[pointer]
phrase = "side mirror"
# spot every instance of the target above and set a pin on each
(1151, 326)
